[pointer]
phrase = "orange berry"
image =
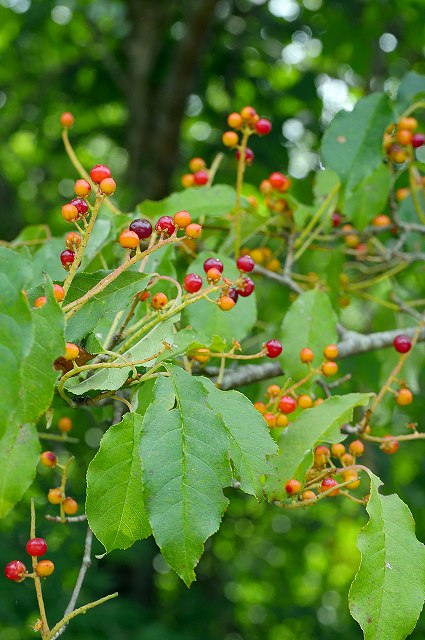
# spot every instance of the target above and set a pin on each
(293, 487)
(398, 155)
(274, 265)
(402, 193)
(381, 221)
(248, 113)
(55, 496)
(108, 186)
(70, 506)
(404, 397)
(356, 448)
(72, 240)
(273, 391)
(306, 355)
(329, 368)
(321, 456)
(331, 352)
(270, 419)
(129, 239)
(159, 301)
(70, 212)
(347, 460)
(351, 475)
(82, 188)
(44, 568)
(65, 424)
(187, 180)
(253, 202)
(337, 450)
(48, 459)
(411, 124)
(390, 446)
(40, 302)
(308, 495)
(182, 218)
(193, 230)
(213, 274)
(404, 136)
(71, 351)
(58, 292)
(265, 187)
(201, 355)
(226, 303)
(257, 255)
(261, 407)
(305, 401)
(282, 420)
(352, 240)
(67, 119)
(234, 120)
(230, 138)
(196, 164)
(144, 295)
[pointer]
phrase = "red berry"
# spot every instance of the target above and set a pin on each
(67, 257)
(246, 288)
(402, 344)
(36, 547)
(336, 219)
(279, 181)
(192, 283)
(245, 263)
(293, 487)
(15, 570)
(249, 155)
(273, 348)
(81, 205)
(418, 140)
(165, 225)
(328, 483)
(232, 293)
(287, 404)
(99, 173)
(67, 119)
(142, 227)
(82, 188)
(201, 178)
(263, 126)
(213, 263)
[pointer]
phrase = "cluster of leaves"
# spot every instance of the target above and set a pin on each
(162, 469)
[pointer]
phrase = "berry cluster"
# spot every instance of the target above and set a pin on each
(272, 189)
(280, 402)
(263, 256)
(17, 571)
(58, 292)
(400, 139)
(165, 227)
(199, 175)
(57, 495)
(248, 122)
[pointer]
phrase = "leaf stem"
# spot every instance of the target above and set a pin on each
(239, 184)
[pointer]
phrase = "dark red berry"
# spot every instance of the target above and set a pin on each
(165, 225)
(418, 140)
(263, 126)
(67, 257)
(245, 263)
(233, 294)
(213, 263)
(201, 178)
(192, 282)
(249, 155)
(273, 348)
(287, 404)
(402, 344)
(142, 227)
(99, 173)
(246, 288)
(81, 205)
(327, 484)
(15, 570)
(336, 219)
(36, 547)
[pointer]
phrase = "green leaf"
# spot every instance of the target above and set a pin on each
(148, 345)
(388, 592)
(324, 182)
(115, 297)
(352, 145)
(30, 340)
(369, 199)
(46, 260)
(310, 322)
(115, 504)
(208, 319)
(211, 202)
(312, 426)
(249, 438)
(412, 88)
(184, 452)
(19, 450)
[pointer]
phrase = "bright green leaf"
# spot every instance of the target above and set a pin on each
(369, 198)
(115, 504)
(211, 202)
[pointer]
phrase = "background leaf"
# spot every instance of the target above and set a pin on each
(115, 505)
(388, 592)
(369, 199)
(211, 202)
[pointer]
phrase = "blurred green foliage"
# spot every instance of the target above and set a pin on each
(265, 574)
